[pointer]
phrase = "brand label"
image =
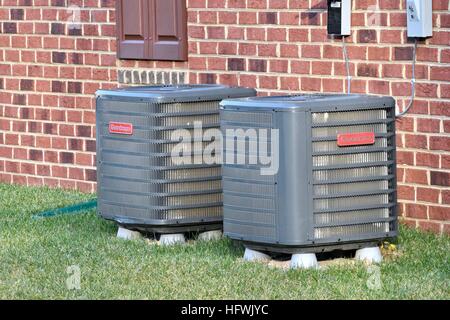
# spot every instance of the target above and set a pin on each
(121, 128)
(355, 139)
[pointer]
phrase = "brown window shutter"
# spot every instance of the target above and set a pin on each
(132, 29)
(169, 36)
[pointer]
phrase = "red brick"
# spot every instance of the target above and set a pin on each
(416, 176)
(91, 175)
(405, 157)
(310, 18)
(405, 193)
(428, 125)
(228, 79)
(427, 160)
(430, 226)
(215, 32)
(20, 153)
(257, 65)
(35, 155)
(367, 70)
(289, 18)
(238, 33)
(378, 53)
(416, 211)
(446, 229)
(280, 66)
(445, 56)
(367, 36)
(289, 83)
(332, 52)
(440, 143)
(445, 91)
(289, 51)
(439, 213)
(416, 141)
(440, 73)
(400, 174)
(427, 90)
(309, 51)
(390, 36)
(418, 106)
(439, 178)
(43, 170)
(322, 68)
(19, 179)
(67, 184)
(298, 35)
(247, 80)
(332, 85)
(401, 88)
(268, 82)
(379, 87)
(428, 195)
(234, 4)
(408, 222)
(27, 168)
(405, 124)
(445, 196)
(269, 50)
(440, 38)
(319, 35)
(276, 34)
(310, 84)
(440, 4)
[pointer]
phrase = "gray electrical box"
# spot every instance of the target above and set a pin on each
(419, 18)
(139, 184)
(335, 187)
(339, 17)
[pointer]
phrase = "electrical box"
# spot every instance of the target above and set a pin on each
(339, 17)
(420, 18)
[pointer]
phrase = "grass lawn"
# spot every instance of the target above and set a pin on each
(35, 255)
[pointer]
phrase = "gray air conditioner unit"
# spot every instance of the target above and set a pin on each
(139, 185)
(335, 187)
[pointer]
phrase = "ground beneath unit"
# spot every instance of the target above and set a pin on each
(45, 258)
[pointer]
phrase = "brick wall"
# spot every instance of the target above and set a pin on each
(49, 73)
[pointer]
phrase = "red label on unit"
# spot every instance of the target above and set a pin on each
(121, 128)
(355, 139)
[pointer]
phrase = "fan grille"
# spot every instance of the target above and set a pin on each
(353, 186)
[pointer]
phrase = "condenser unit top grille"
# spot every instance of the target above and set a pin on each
(179, 93)
(317, 102)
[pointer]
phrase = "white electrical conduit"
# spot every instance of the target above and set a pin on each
(413, 82)
(347, 66)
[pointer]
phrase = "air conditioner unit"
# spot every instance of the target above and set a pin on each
(139, 184)
(335, 187)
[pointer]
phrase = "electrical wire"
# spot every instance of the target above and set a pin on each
(347, 66)
(413, 82)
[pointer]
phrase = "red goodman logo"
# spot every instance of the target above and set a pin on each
(355, 139)
(121, 128)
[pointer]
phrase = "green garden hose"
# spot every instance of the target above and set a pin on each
(73, 209)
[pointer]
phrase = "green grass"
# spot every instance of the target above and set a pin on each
(35, 254)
